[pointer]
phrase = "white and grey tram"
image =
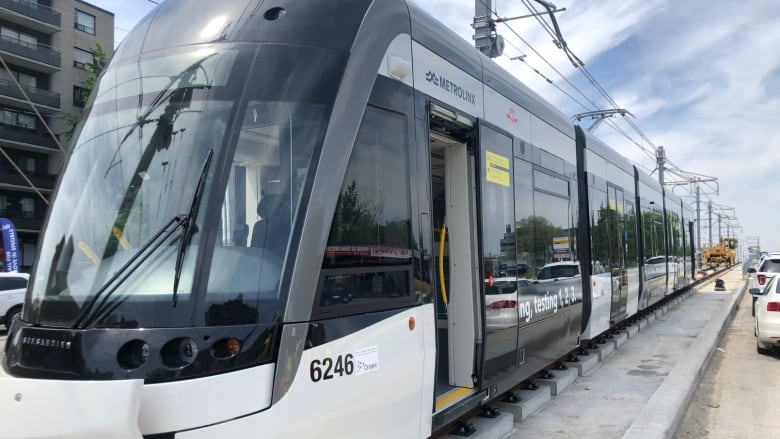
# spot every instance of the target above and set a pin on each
(321, 219)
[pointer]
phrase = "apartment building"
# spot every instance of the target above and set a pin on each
(47, 46)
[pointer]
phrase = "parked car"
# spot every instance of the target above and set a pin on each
(558, 270)
(12, 289)
(767, 268)
(501, 302)
(767, 309)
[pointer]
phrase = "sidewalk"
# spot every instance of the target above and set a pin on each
(643, 390)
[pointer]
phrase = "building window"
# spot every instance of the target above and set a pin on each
(25, 120)
(84, 22)
(23, 78)
(80, 95)
(82, 59)
(18, 37)
(28, 80)
(28, 207)
(17, 119)
(26, 164)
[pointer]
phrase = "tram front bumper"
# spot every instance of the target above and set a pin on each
(43, 409)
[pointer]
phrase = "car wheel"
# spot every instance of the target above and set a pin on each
(761, 350)
(11, 314)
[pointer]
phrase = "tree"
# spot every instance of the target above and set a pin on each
(94, 69)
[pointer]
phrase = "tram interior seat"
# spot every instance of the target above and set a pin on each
(240, 235)
(273, 229)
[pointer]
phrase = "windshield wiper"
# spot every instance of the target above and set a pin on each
(189, 224)
(127, 269)
(179, 221)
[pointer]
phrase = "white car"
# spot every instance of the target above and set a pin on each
(767, 307)
(767, 268)
(558, 270)
(501, 302)
(13, 286)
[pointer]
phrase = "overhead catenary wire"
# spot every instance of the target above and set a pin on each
(650, 153)
(579, 65)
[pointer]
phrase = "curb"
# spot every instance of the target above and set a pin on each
(661, 416)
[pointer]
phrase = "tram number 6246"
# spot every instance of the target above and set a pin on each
(327, 369)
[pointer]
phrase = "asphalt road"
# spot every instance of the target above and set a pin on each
(739, 394)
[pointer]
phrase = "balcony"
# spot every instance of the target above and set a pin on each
(36, 95)
(30, 55)
(29, 138)
(31, 15)
(10, 176)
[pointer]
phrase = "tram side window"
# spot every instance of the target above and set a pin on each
(631, 247)
(653, 239)
(599, 231)
(524, 219)
(553, 233)
(368, 259)
(675, 247)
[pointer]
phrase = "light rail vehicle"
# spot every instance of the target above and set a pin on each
(321, 218)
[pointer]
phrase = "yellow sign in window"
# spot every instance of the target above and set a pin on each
(497, 167)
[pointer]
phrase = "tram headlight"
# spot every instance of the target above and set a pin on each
(133, 354)
(226, 348)
(179, 352)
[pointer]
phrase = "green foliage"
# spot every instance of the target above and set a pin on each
(99, 61)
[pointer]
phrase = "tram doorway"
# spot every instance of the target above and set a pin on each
(456, 261)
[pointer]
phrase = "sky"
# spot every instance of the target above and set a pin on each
(700, 77)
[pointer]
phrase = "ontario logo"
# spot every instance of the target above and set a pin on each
(451, 87)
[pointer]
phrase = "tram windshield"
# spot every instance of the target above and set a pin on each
(179, 196)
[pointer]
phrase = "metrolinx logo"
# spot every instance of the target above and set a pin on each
(451, 87)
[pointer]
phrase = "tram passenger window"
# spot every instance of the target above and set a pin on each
(553, 232)
(371, 226)
(271, 162)
(524, 217)
(363, 287)
(599, 212)
(498, 239)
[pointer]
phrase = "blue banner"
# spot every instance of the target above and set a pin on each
(10, 245)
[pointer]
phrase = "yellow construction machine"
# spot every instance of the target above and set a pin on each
(719, 255)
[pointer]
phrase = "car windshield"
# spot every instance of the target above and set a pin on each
(136, 163)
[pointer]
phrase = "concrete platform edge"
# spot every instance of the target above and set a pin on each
(663, 412)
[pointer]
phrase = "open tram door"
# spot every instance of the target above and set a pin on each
(456, 268)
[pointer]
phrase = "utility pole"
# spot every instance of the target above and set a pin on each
(486, 39)
(709, 216)
(698, 218)
(661, 160)
(720, 237)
